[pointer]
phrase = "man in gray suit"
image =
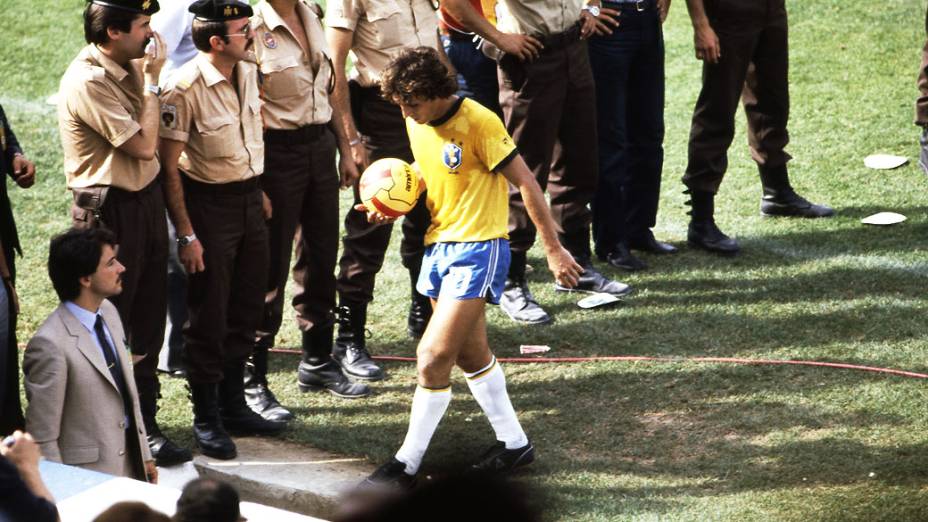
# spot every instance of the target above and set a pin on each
(83, 405)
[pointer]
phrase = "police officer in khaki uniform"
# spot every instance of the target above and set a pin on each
(549, 104)
(108, 119)
(375, 31)
(213, 155)
(743, 46)
(301, 180)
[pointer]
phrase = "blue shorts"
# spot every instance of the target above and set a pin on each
(465, 270)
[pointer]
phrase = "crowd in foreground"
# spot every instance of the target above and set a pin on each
(244, 142)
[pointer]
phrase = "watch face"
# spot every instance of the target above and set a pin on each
(594, 10)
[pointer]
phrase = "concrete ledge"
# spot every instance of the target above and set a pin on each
(287, 475)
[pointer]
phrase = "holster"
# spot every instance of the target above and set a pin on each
(86, 212)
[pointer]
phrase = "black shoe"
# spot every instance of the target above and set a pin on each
(236, 416)
(391, 476)
(164, 451)
(785, 202)
(923, 156)
(262, 401)
(519, 304)
(329, 376)
(211, 437)
(593, 282)
(500, 460)
(420, 311)
(621, 257)
(707, 236)
(349, 351)
(646, 243)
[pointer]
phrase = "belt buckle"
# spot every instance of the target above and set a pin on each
(639, 6)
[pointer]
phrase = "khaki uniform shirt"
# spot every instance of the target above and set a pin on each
(383, 28)
(98, 110)
(222, 128)
(296, 87)
(538, 17)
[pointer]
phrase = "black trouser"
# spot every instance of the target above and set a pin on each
(480, 81)
(921, 105)
(628, 67)
(137, 220)
(365, 245)
(302, 183)
(753, 66)
(225, 301)
(550, 111)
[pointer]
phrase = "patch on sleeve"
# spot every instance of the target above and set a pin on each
(168, 116)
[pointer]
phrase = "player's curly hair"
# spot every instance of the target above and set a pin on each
(417, 73)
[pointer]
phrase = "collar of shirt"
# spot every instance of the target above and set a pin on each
(211, 75)
(112, 68)
(89, 319)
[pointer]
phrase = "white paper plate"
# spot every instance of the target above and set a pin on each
(883, 218)
(885, 161)
(597, 300)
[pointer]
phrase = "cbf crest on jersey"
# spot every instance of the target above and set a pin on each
(451, 156)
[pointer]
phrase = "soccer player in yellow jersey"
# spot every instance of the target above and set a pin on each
(465, 158)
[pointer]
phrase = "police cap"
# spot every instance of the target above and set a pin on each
(220, 10)
(145, 7)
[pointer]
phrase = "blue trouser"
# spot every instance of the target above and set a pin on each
(476, 73)
(628, 67)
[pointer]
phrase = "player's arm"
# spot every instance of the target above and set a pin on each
(143, 144)
(565, 269)
(339, 40)
(706, 41)
(191, 255)
(525, 47)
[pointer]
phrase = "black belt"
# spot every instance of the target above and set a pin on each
(458, 36)
(554, 42)
(134, 194)
(303, 134)
(234, 188)
(637, 5)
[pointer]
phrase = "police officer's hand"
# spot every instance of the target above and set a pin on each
(601, 25)
(359, 155)
(566, 270)
(191, 256)
(373, 216)
(664, 7)
(525, 47)
(707, 44)
(266, 208)
(155, 56)
(348, 171)
(23, 171)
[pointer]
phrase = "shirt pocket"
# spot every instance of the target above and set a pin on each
(284, 77)
(221, 135)
(80, 454)
(385, 19)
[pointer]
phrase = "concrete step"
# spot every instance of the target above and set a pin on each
(287, 475)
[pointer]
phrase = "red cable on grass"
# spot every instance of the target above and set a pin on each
(635, 358)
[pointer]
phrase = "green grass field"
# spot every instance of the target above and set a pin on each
(669, 441)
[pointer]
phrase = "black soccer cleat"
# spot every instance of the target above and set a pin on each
(391, 476)
(500, 460)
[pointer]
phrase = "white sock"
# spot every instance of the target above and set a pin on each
(428, 407)
(488, 386)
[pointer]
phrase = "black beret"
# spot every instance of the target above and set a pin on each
(145, 7)
(220, 10)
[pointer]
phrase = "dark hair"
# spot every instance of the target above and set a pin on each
(202, 31)
(131, 511)
(73, 255)
(99, 18)
(417, 73)
(207, 499)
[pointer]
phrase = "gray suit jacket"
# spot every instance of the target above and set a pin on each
(75, 411)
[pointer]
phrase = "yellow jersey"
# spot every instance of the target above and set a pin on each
(459, 156)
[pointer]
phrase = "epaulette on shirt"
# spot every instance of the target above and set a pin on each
(186, 77)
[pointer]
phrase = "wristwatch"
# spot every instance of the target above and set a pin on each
(593, 9)
(186, 240)
(156, 89)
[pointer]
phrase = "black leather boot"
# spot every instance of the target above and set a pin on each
(703, 232)
(318, 371)
(258, 396)
(163, 449)
(420, 308)
(236, 416)
(210, 435)
(349, 351)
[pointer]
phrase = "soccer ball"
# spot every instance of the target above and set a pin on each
(389, 186)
